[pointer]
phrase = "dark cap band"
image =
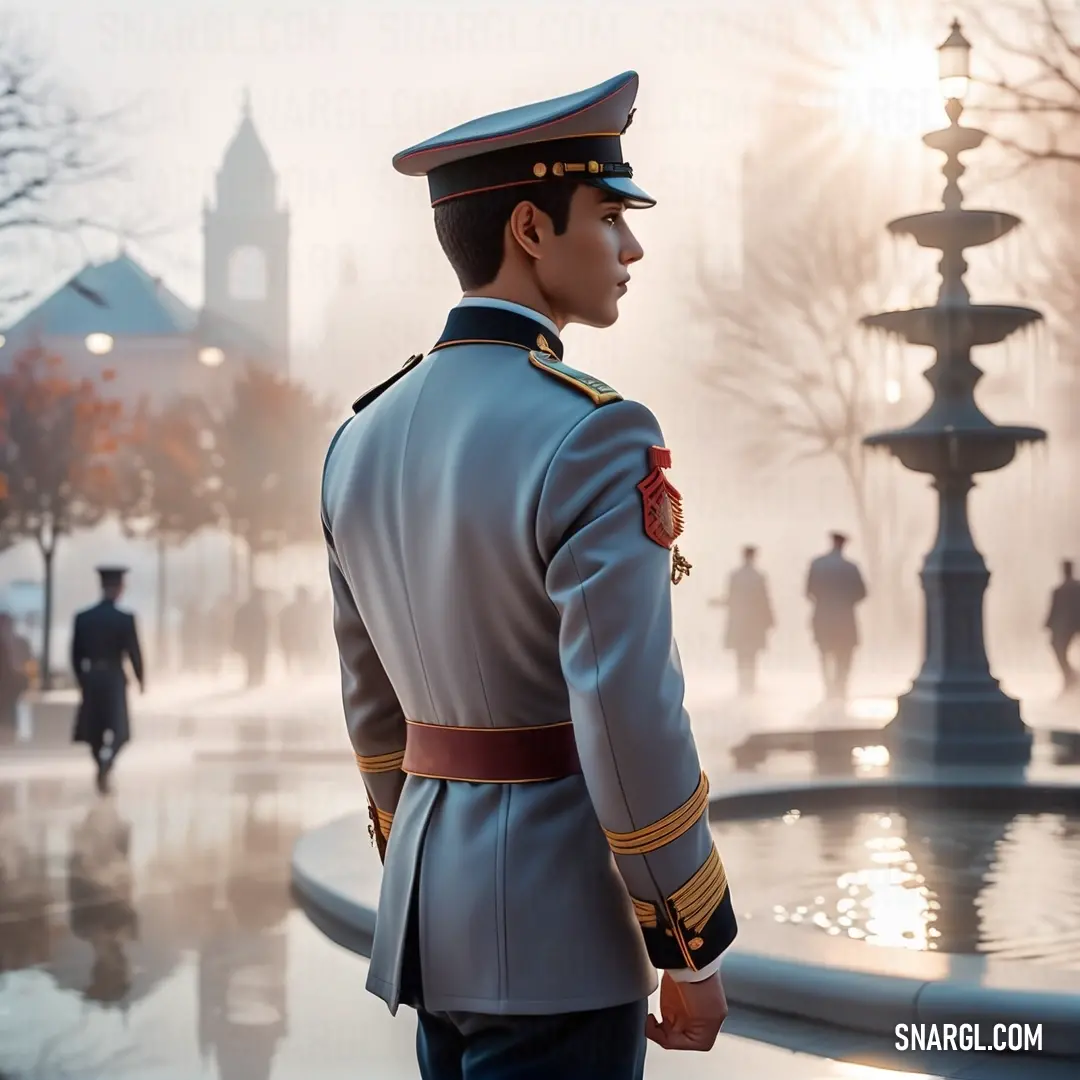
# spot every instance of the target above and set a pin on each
(589, 157)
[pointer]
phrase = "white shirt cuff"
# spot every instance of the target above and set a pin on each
(686, 975)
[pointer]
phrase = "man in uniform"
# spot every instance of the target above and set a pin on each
(749, 618)
(835, 587)
(1063, 622)
(102, 637)
(501, 533)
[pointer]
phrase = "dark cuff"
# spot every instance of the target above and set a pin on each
(696, 924)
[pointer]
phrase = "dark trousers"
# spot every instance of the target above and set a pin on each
(746, 670)
(105, 762)
(836, 669)
(255, 664)
(1060, 645)
(601, 1044)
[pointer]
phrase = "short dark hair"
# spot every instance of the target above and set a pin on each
(470, 228)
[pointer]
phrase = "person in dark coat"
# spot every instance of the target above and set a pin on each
(251, 631)
(835, 587)
(749, 618)
(1063, 622)
(102, 637)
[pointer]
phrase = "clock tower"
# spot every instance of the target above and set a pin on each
(246, 253)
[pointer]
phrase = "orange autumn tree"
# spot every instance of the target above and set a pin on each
(271, 442)
(166, 483)
(58, 441)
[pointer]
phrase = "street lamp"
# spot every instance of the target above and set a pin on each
(211, 356)
(954, 64)
(99, 344)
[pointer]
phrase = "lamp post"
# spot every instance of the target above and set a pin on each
(954, 64)
(99, 344)
(211, 356)
(955, 712)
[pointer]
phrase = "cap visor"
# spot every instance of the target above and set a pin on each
(624, 188)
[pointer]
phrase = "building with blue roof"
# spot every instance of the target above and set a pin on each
(117, 315)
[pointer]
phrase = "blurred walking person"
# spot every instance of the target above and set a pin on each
(835, 587)
(749, 619)
(1063, 622)
(252, 636)
(103, 636)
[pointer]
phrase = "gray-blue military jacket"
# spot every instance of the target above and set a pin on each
(491, 566)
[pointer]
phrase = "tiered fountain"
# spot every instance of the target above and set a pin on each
(956, 712)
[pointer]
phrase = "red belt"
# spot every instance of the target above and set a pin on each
(505, 755)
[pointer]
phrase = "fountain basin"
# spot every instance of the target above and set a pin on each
(938, 229)
(954, 326)
(916, 877)
(955, 450)
(786, 968)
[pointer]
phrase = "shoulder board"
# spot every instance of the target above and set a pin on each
(374, 392)
(600, 392)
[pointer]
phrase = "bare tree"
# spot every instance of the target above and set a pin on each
(790, 354)
(51, 152)
(1034, 76)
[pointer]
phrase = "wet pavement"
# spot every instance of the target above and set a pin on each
(152, 932)
(150, 935)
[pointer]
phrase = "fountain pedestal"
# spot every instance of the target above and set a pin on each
(955, 712)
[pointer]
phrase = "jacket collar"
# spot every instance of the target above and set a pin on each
(481, 324)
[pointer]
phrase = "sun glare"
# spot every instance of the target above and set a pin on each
(891, 90)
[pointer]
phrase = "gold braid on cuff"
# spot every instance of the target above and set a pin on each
(663, 832)
(381, 763)
(696, 902)
(645, 912)
(385, 820)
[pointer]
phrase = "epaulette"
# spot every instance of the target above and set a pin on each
(375, 391)
(600, 392)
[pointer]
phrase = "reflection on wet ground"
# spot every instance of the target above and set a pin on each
(957, 881)
(152, 933)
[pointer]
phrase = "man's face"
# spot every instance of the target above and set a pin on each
(584, 272)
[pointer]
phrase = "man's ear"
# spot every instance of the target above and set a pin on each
(528, 226)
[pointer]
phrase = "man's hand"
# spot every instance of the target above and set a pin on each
(691, 1014)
